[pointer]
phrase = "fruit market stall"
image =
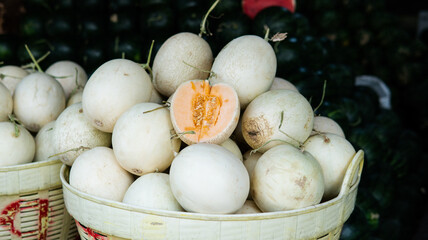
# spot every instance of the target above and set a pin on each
(155, 88)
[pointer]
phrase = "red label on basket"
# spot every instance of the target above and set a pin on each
(7, 217)
(8, 214)
(252, 7)
(91, 233)
(43, 218)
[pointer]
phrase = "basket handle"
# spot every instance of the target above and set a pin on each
(355, 167)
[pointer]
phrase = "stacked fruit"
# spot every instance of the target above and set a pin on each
(120, 141)
(206, 100)
(328, 43)
(30, 103)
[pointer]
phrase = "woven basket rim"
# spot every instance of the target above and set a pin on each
(29, 165)
(207, 217)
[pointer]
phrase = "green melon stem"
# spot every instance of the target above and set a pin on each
(279, 129)
(2, 76)
(70, 150)
(204, 20)
(146, 66)
(280, 125)
(76, 82)
(266, 143)
(211, 73)
(322, 96)
(177, 135)
(15, 122)
(33, 59)
(316, 132)
(166, 105)
(267, 33)
(60, 77)
(38, 60)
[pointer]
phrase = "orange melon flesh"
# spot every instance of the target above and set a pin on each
(206, 111)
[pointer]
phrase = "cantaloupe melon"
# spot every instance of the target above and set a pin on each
(204, 113)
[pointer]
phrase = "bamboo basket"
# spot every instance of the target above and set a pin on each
(32, 203)
(97, 218)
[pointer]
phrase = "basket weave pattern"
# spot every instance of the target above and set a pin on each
(32, 203)
(103, 219)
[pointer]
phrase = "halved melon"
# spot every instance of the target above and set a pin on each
(204, 113)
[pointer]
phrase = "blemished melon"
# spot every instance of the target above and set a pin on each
(204, 113)
(275, 117)
(324, 124)
(286, 178)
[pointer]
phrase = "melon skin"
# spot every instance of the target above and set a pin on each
(334, 153)
(38, 100)
(12, 75)
(156, 97)
(44, 145)
(97, 172)
(113, 88)
(231, 145)
(143, 140)
(281, 83)
(250, 161)
(153, 191)
(75, 97)
(6, 103)
(285, 178)
(249, 207)
(74, 134)
(207, 178)
(262, 128)
(324, 124)
(69, 74)
(15, 148)
(181, 58)
(248, 63)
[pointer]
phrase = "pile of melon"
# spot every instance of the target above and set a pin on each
(30, 101)
(194, 132)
